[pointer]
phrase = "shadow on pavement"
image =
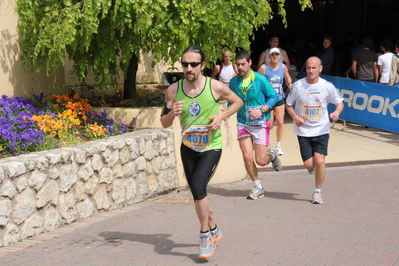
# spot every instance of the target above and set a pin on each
(162, 245)
(241, 193)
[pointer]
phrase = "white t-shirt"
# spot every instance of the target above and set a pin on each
(385, 61)
(310, 101)
(226, 74)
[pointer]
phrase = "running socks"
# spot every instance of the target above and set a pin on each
(258, 184)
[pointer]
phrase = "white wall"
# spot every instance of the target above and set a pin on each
(15, 79)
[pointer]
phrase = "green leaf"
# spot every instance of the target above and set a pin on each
(99, 36)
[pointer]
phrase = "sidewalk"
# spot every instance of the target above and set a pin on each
(358, 224)
(352, 145)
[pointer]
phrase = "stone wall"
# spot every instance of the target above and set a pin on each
(44, 190)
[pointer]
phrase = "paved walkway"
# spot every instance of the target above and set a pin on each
(358, 224)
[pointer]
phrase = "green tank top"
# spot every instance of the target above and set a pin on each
(194, 117)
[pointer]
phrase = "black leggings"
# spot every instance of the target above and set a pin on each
(199, 168)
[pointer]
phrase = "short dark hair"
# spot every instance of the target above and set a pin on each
(195, 49)
(387, 44)
(327, 37)
(397, 44)
(243, 55)
(367, 41)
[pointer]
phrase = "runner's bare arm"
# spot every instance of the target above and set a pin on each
(334, 116)
(221, 91)
(262, 69)
(171, 108)
(298, 120)
(286, 58)
(215, 71)
(261, 60)
(287, 77)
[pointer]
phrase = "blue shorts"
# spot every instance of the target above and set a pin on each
(309, 145)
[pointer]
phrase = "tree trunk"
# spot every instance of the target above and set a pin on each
(129, 88)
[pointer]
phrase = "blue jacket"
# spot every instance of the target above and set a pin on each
(260, 92)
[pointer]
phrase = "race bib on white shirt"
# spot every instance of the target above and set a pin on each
(311, 111)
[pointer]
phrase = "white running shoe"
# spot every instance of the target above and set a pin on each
(217, 234)
(207, 245)
(317, 198)
(256, 193)
(312, 171)
(278, 150)
(277, 162)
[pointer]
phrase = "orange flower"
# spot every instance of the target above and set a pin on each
(53, 134)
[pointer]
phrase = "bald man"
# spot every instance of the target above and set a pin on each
(307, 104)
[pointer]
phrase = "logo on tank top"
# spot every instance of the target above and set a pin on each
(194, 109)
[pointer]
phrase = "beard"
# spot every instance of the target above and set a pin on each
(191, 77)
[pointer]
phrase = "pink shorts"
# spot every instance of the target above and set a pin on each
(259, 134)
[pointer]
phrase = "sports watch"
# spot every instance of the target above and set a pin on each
(262, 110)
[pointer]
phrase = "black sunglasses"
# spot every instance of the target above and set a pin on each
(192, 64)
(275, 54)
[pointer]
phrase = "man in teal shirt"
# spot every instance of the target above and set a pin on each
(253, 130)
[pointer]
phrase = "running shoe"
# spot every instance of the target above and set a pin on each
(277, 162)
(279, 151)
(207, 245)
(312, 171)
(217, 234)
(317, 198)
(256, 193)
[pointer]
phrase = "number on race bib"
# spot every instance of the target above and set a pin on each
(312, 111)
(202, 139)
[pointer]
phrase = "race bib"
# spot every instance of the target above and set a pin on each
(197, 138)
(251, 120)
(311, 111)
(276, 87)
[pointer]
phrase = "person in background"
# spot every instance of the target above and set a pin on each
(264, 56)
(364, 62)
(384, 61)
(225, 71)
(276, 73)
(307, 104)
(194, 100)
(259, 98)
(394, 73)
(326, 55)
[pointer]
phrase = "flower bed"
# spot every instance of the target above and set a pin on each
(41, 123)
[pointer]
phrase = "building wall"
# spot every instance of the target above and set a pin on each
(19, 80)
(16, 79)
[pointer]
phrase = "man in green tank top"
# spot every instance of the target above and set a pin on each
(195, 101)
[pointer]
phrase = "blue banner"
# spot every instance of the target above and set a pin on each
(366, 103)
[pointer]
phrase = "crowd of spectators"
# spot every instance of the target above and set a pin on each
(359, 56)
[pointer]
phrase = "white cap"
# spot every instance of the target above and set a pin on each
(274, 50)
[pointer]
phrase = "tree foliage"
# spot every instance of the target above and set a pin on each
(101, 36)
